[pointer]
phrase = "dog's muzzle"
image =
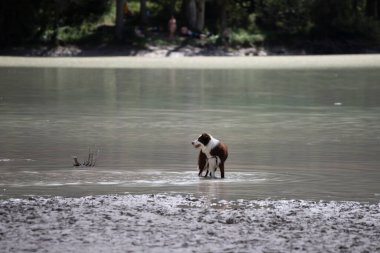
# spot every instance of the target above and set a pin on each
(196, 145)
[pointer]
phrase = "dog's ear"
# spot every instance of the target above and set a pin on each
(205, 136)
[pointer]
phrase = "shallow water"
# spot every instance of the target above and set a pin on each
(303, 134)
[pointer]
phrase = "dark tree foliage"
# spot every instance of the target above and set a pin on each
(345, 19)
(24, 21)
(287, 16)
(28, 21)
(249, 6)
(18, 20)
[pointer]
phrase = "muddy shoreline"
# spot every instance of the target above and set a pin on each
(187, 49)
(186, 223)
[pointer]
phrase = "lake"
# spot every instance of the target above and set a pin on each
(292, 133)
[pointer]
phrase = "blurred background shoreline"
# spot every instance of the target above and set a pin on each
(272, 62)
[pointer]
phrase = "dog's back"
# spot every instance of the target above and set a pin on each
(220, 151)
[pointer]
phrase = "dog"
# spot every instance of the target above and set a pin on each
(213, 154)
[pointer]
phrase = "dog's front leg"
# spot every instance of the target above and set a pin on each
(212, 172)
(213, 165)
(201, 172)
(205, 168)
(202, 163)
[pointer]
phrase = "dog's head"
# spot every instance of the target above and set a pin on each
(201, 141)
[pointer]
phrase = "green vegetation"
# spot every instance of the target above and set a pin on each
(235, 23)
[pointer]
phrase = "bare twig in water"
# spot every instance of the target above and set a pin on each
(86, 163)
(76, 163)
(96, 157)
(91, 159)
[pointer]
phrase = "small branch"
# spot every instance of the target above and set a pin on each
(76, 163)
(92, 158)
(96, 158)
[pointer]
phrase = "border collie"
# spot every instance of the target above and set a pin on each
(213, 153)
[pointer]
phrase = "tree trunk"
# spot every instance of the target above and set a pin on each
(223, 17)
(143, 13)
(191, 13)
(172, 7)
(195, 14)
(200, 23)
(371, 8)
(119, 19)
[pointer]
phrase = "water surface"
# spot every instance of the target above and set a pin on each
(304, 134)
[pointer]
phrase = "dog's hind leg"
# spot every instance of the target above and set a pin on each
(221, 166)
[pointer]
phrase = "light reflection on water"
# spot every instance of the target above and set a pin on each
(292, 134)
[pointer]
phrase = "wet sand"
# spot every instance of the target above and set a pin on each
(175, 223)
(267, 62)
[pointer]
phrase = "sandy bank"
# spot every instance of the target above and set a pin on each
(268, 62)
(174, 223)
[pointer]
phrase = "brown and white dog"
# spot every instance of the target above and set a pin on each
(213, 153)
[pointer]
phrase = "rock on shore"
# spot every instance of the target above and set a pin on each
(177, 223)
